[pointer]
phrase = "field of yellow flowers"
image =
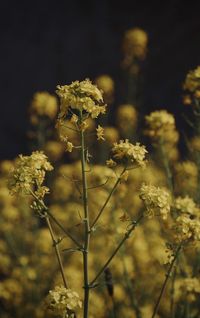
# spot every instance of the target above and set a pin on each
(99, 220)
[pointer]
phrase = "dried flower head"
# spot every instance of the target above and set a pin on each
(82, 96)
(63, 302)
(156, 201)
(29, 174)
(128, 153)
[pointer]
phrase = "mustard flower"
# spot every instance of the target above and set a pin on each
(106, 84)
(186, 205)
(129, 153)
(135, 43)
(187, 228)
(161, 126)
(63, 302)
(126, 118)
(192, 81)
(156, 201)
(29, 174)
(82, 96)
(100, 133)
(44, 104)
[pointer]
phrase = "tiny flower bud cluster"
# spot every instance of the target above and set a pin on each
(192, 86)
(29, 174)
(63, 302)
(81, 96)
(128, 153)
(156, 201)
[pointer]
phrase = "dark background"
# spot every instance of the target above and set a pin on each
(45, 43)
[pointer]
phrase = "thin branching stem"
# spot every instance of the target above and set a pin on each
(57, 251)
(166, 280)
(166, 167)
(42, 204)
(126, 236)
(108, 198)
(87, 227)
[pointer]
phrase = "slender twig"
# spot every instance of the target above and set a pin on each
(57, 251)
(98, 185)
(172, 294)
(166, 280)
(126, 236)
(42, 204)
(108, 198)
(87, 228)
(166, 166)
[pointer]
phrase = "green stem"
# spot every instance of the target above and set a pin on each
(55, 244)
(126, 236)
(108, 198)
(87, 229)
(166, 280)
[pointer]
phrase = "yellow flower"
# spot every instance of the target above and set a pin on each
(156, 200)
(186, 205)
(44, 104)
(62, 301)
(187, 228)
(100, 133)
(29, 174)
(135, 43)
(192, 81)
(161, 127)
(134, 154)
(81, 96)
(105, 83)
(126, 118)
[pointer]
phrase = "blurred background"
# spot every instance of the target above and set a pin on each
(46, 43)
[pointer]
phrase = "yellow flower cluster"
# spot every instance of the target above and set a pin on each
(186, 177)
(81, 96)
(195, 143)
(161, 127)
(156, 200)
(106, 84)
(29, 174)
(44, 104)
(186, 205)
(135, 44)
(190, 287)
(192, 81)
(129, 153)
(100, 133)
(187, 228)
(62, 302)
(192, 86)
(126, 118)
